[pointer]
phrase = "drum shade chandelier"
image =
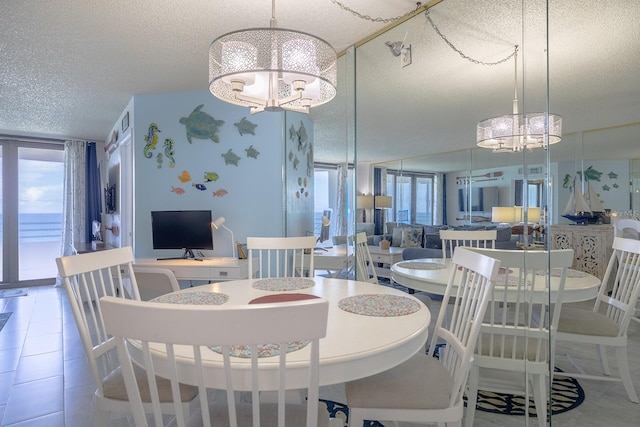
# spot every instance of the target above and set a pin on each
(518, 131)
(272, 69)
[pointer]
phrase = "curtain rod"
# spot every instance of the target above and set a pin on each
(30, 139)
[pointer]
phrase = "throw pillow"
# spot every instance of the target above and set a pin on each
(411, 237)
(432, 241)
(503, 234)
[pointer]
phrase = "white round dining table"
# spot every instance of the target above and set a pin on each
(356, 345)
(432, 274)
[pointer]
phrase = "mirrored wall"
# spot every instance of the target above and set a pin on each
(366, 129)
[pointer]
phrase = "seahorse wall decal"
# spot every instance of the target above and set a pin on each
(151, 139)
(169, 151)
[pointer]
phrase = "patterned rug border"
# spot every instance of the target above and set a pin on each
(566, 394)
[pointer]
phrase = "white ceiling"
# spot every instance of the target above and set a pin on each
(68, 68)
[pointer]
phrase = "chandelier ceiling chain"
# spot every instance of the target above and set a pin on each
(462, 54)
(369, 18)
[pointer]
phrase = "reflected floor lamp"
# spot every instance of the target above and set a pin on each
(364, 202)
(382, 203)
(220, 223)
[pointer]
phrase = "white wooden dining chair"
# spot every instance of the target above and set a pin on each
(87, 278)
(365, 269)
(471, 238)
(169, 328)
(606, 325)
(153, 282)
(515, 348)
(281, 256)
(425, 389)
(628, 228)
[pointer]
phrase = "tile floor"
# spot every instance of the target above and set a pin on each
(44, 380)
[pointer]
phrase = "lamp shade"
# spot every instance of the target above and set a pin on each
(218, 223)
(533, 214)
(382, 202)
(503, 214)
(364, 201)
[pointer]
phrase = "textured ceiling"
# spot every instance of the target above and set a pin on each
(68, 68)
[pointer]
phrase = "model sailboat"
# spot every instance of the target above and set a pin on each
(582, 207)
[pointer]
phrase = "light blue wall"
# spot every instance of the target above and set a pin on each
(256, 196)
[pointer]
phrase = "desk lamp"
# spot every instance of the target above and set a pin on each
(220, 223)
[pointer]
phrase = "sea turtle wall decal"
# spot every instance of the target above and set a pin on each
(245, 126)
(201, 125)
(252, 152)
(231, 158)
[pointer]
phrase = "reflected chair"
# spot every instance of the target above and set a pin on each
(153, 282)
(365, 269)
(424, 389)
(628, 228)
(607, 323)
(471, 238)
(280, 256)
(515, 348)
(168, 328)
(87, 278)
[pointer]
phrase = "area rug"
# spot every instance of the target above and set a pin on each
(10, 293)
(3, 319)
(566, 394)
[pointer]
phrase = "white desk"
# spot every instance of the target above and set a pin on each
(210, 269)
(419, 275)
(356, 345)
(332, 260)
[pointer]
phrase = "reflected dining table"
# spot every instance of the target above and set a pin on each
(431, 275)
(371, 328)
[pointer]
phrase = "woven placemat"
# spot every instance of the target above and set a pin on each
(195, 298)
(283, 284)
(379, 305)
(416, 265)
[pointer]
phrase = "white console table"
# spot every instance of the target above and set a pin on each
(384, 259)
(592, 245)
(209, 269)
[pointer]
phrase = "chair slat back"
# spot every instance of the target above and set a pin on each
(621, 301)
(165, 327)
(87, 278)
(466, 297)
(281, 256)
(522, 308)
(470, 238)
(621, 224)
(365, 269)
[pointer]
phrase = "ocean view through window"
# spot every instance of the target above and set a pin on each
(32, 184)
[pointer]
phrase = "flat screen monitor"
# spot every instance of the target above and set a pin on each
(186, 230)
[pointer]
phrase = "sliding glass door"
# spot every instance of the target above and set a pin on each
(31, 191)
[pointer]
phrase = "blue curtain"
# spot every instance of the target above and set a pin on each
(377, 191)
(444, 198)
(93, 193)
